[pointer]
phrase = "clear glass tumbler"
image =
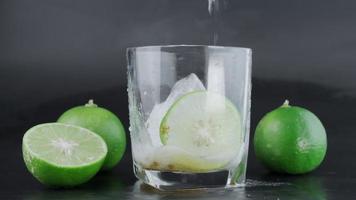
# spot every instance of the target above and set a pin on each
(189, 115)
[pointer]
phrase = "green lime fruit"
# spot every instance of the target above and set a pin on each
(291, 140)
(63, 155)
(104, 123)
(204, 124)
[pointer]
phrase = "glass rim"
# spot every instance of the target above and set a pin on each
(157, 47)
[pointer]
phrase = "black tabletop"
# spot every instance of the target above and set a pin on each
(57, 54)
(334, 179)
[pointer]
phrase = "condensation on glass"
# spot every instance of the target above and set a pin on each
(189, 112)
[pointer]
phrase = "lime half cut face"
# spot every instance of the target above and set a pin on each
(63, 155)
(204, 124)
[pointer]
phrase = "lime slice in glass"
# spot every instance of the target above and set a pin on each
(63, 155)
(203, 123)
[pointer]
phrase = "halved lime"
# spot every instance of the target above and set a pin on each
(204, 124)
(63, 155)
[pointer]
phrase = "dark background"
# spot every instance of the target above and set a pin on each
(55, 54)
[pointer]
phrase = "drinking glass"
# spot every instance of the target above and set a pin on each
(189, 108)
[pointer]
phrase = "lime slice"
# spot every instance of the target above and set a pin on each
(203, 124)
(63, 155)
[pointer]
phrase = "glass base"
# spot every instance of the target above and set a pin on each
(170, 181)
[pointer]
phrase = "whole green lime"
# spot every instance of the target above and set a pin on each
(291, 140)
(102, 122)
